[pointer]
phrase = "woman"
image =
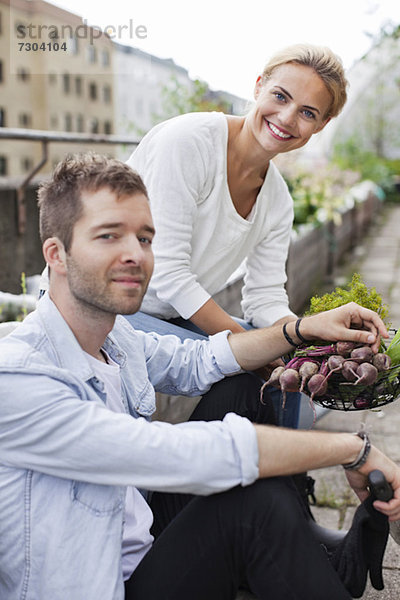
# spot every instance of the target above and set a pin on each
(217, 199)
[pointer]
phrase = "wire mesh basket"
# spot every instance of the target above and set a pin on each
(344, 396)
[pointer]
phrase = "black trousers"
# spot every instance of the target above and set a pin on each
(207, 547)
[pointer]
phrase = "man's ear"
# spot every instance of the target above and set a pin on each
(55, 255)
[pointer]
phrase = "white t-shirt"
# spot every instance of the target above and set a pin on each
(200, 238)
(136, 538)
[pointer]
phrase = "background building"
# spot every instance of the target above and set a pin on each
(139, 79)
(51, 79)
(370, 117)
(58, 74)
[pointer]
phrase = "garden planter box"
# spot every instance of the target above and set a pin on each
(314, 255)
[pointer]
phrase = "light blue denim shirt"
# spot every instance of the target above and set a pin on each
(65, 459)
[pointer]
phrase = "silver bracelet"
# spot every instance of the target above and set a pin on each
(363, 454)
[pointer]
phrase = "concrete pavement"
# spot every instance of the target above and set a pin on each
(378, 261)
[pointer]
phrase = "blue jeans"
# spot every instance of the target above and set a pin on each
(184, 329)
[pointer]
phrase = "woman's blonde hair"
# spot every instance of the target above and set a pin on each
(324, 62)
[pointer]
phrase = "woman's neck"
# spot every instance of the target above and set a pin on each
(244, 151)
(247, 167)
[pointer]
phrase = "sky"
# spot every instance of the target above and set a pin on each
(227, 42)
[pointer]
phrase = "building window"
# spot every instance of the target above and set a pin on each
(68, 122)
(105, 58)
(91, 53)
(94, 125)
(3, 165)
(23, 74)
(93, 91)
(107, 127)
(80, 123)
(66, 83)
(73, 45)
(78, 86)
(2, 117)
(26, 163)
(24, 120)
(107, 94)
(1, 70)
(53, 122)
(52, 78)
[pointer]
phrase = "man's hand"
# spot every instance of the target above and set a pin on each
(359, 482)
(351, 322)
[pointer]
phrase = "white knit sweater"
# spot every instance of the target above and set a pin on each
(200, 238)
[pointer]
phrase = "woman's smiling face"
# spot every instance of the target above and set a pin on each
(291, 105)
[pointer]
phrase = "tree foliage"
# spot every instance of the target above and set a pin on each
(178, 99)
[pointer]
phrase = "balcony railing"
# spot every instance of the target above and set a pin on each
(45, 138)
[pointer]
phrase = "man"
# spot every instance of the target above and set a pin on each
(77, 389)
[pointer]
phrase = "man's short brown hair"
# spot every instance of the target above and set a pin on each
(60, 198)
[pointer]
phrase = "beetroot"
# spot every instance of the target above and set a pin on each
(361, 355)
(381, 361)
(344, 348)
(312, 367)
(307, 370)
(289, 382)
(367, 374)
(335, 362)
(349, 370)
(274, 377)
(361, 403)
(317, 385)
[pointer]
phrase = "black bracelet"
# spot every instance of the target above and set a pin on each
(297, 330)
(287, 336)
(363, 454)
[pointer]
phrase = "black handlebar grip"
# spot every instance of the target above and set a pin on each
(379, 487)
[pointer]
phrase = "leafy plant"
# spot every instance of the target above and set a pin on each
(356, 291)
(179, 99)
(320, 195)
(24, 310)
(350, 154)
(12, 311)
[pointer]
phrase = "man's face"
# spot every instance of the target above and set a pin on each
(110, 260)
